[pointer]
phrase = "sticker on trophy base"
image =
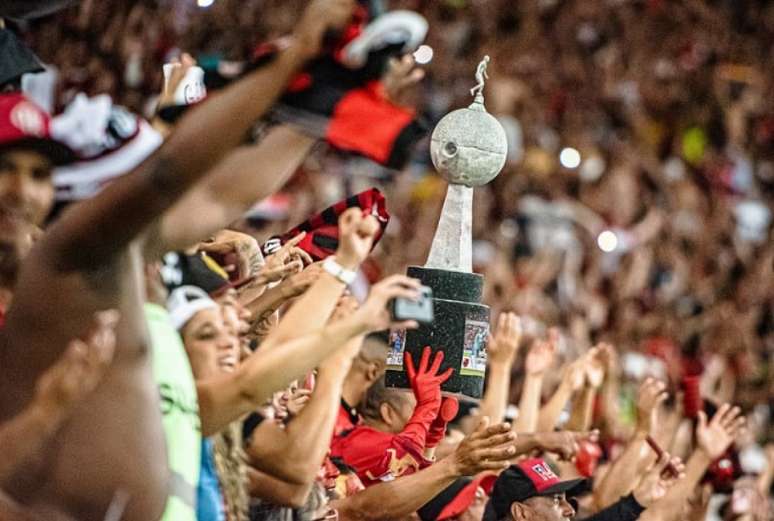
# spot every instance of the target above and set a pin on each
(474, 348)
(397, 347)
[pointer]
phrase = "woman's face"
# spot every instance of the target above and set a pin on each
(209, 344)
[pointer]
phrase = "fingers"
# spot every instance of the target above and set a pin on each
(293, 242)
(424, 360)
(449, 408)
(436, 362)
(494, 440)
(496, 454)
(305, 257)
(702, 417)
(407, 324)
(411, 372)
(445, 375)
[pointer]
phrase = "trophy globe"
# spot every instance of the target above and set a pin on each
(468, 146)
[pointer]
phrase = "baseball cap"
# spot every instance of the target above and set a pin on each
(23, 124)
(456, 498)
(185, 302)
(110, 141)
(16, 59)
(530, 478)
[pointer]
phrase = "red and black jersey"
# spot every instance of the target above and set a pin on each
(378, 456)
(322, 230)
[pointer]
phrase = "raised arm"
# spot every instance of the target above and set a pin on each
(540, 358)
(713, 439)
(502, 349)
(105, 224)
(311, 311)
(621, 478)
(307, 437)
(225, 398)
(248, 174)
(573, 379)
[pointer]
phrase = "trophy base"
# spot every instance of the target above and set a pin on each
(460, 330)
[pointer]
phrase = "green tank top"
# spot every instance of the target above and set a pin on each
(180, 410)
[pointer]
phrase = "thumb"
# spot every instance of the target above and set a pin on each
(483, 423)
(702, 420)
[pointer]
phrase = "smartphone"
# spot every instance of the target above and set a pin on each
(421, 310)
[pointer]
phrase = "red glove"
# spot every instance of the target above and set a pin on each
(426, 384)
(449, 408)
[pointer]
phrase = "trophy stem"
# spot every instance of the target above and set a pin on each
(451, 248)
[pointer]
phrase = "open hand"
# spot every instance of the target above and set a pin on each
(425, 380)
(504, 344)
(658, 480)
(542, 354)
(715, 437)
(487, 448)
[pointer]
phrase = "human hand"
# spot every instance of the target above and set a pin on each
(318, 17)
(425, 381)
(651, 395)
(595, 365)
(400, 79)
(80, 369)
(296, 284)
(373, 315)
(356, 237)
(504, 344)
(288, 254)
(542, 354)
(486, 448)
(237, 253)
(345, 307)
(715, 437)
(575, 375)
(565, 443)
(658, 480)
(450, 406)
(297, 400)
(179, 70)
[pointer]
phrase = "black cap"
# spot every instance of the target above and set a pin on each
(530, 478)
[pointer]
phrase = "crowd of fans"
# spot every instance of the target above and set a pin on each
(170, 351)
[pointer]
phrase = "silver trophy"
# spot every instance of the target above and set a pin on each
(468, 148)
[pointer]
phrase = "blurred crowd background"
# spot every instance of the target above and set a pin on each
(636, 203)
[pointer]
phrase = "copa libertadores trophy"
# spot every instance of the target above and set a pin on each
(468, 148)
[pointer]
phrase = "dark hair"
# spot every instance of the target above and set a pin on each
(376, 395)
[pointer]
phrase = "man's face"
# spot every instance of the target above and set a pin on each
(551, 508)
(26, 191)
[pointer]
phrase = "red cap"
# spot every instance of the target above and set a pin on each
(25, 125)
(456, 498)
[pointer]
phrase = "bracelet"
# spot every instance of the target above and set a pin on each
(337, 270)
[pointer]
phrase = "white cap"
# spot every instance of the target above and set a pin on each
(110, 141)
(185, 302)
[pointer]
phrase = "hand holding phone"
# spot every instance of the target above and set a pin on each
(422, 310)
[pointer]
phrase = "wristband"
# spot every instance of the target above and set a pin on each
(337, 270)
